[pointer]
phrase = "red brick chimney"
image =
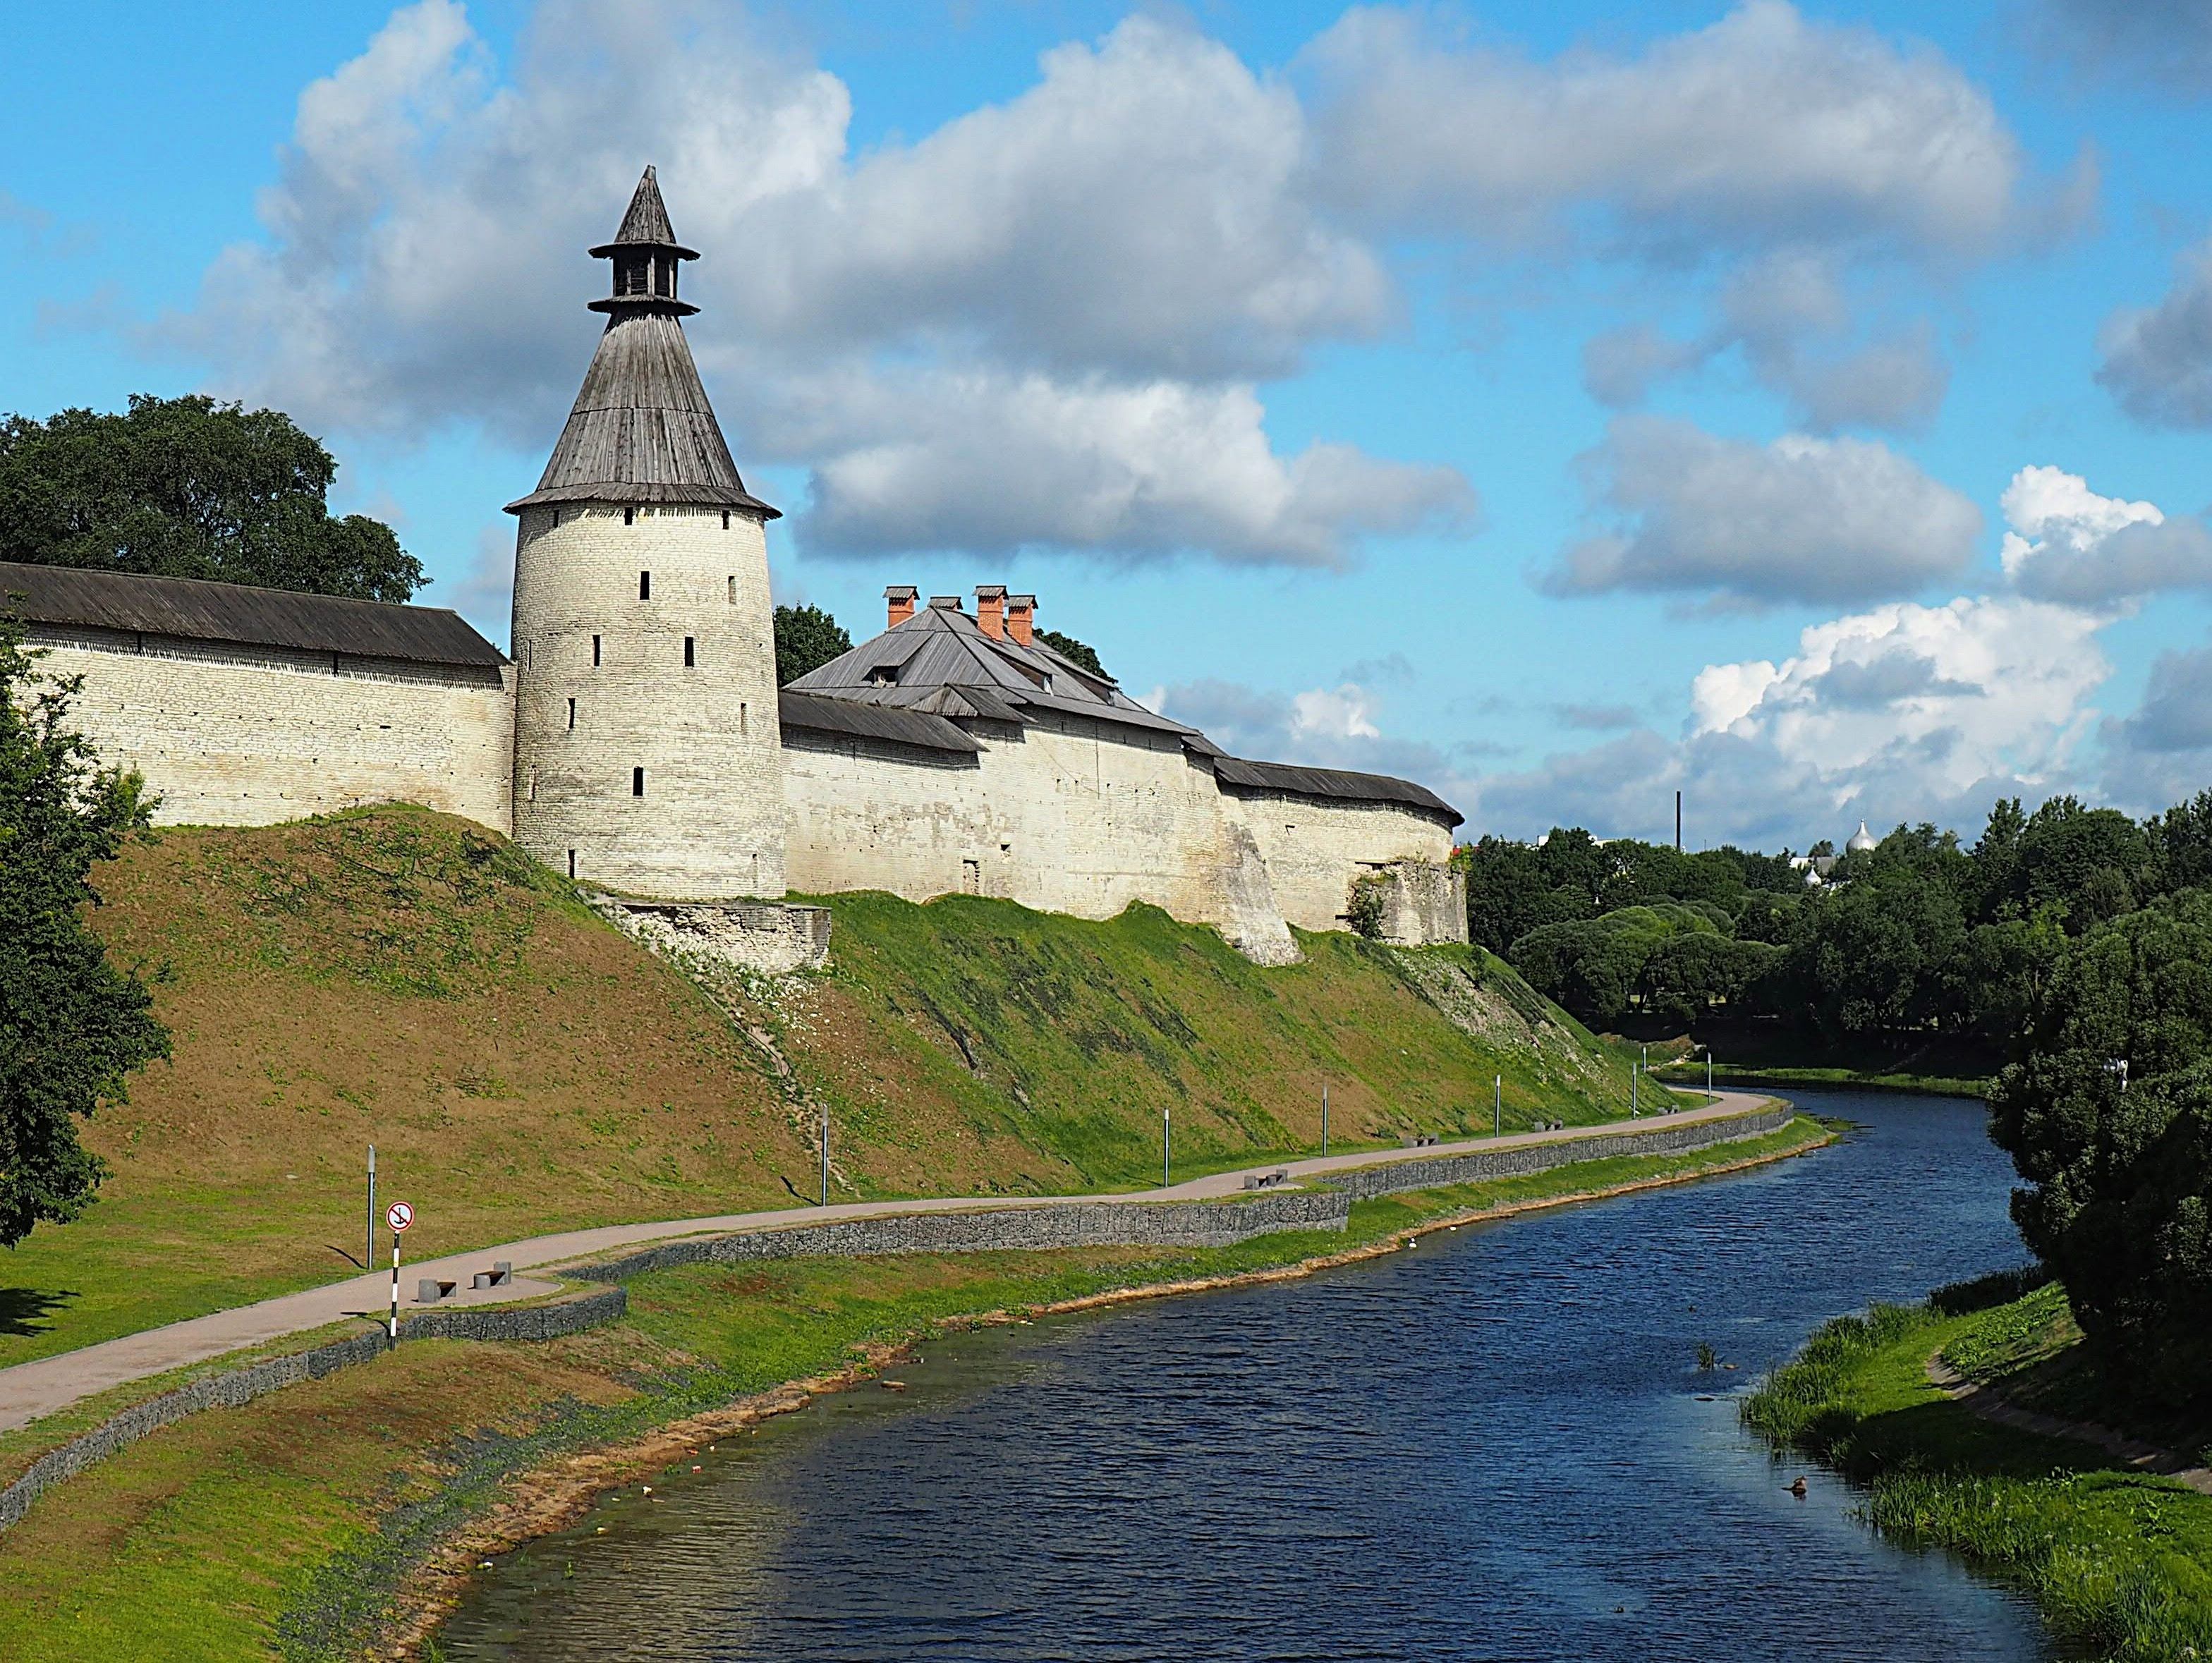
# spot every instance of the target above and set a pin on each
(902, 598)
(991, 609)
(1021, 618)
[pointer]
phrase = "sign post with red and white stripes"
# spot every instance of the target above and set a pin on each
(399, 1215)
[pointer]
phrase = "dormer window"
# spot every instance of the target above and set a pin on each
(884, 675)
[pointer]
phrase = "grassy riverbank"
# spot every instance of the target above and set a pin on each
(1829, 1079)
(2118, 1560)
(285, 1528)
(407, 980)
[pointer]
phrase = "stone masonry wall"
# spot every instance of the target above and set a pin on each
(1066, 816)
(997, 1230)
(238, 1387)
(1075, 817)
(239, 736)
(708, 824)
(1658, 1138)
(1314, 849)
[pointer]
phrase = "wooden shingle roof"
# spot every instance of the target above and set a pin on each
(642, 429)
(192, 609)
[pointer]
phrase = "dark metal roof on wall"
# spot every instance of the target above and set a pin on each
(232, 612)
(940, 660)
(868, 721)
(1333, 784)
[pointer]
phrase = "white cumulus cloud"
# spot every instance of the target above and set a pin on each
(2068, 544)
(1800, 519)
(1040, 325)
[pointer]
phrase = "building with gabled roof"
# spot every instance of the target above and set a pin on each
(638, 742)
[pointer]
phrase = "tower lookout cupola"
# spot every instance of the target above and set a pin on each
(647, 753)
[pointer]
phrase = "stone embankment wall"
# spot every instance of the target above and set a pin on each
(998, 1230)
(1399, 1177)
(242, 735)
(239, 1387)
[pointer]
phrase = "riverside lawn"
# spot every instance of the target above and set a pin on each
(287, 1528)
(2117, 1560)
(400, 978)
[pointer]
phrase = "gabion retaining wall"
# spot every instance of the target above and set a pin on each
(993, 1229)
(1400, 1176)
(239, 1387)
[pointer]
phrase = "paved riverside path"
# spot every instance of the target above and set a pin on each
(30, 1390)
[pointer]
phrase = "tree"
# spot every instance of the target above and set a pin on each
(2119, 1168)
(807, 638)
(73, 1027)
(187, 487)
(1075, 652)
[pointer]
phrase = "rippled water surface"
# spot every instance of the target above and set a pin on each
(1491, 1446)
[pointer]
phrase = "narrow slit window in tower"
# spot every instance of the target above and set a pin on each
(630, 516)
(741, 721)
(645, 586)
(572, 715)
(733, 591)
(637, 782)
(571, 865)
(726, 519)
(691, 656)
(595, 652)
(533, 784)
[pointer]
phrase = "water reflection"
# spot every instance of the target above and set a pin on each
(1497, 1446)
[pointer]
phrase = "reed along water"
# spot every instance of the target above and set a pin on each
(1498, 1445)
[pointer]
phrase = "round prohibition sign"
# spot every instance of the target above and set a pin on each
(399, 1215)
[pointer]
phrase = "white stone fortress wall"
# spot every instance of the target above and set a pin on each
(1081, 817)
(247, 735)
(1065, 814)
(1314, 848)
(704, 820)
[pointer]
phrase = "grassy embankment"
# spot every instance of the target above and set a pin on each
(1776, 1054)
(282, 1529)
(404, 978)
(2118, 1560)
(1687, 1072)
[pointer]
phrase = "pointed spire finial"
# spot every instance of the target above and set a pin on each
(647, 257)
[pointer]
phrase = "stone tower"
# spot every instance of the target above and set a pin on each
(647, 757)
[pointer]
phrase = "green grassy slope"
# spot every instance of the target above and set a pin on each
(400, 978)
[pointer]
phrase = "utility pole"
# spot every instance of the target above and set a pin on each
(825, 1151)
(1635, 1079)
(1709, 1071)
(1497, 1105)
(1166, 1142)
(369, 1247)
(1678, 823)
(1324, 1119)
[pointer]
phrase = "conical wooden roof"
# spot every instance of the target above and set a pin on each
(642, 429)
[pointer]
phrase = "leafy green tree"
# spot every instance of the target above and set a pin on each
(807, 638)
(1879, 950)
(187, 487)
(2119, 1168)
(1687, 975)
(1075, 652)
(1594, 966)
(73, 1027)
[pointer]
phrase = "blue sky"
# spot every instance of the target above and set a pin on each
(1804, 407)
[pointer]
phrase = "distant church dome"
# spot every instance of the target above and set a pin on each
(1861, 840)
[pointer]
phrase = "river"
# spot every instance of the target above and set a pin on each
(1496, 1445)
